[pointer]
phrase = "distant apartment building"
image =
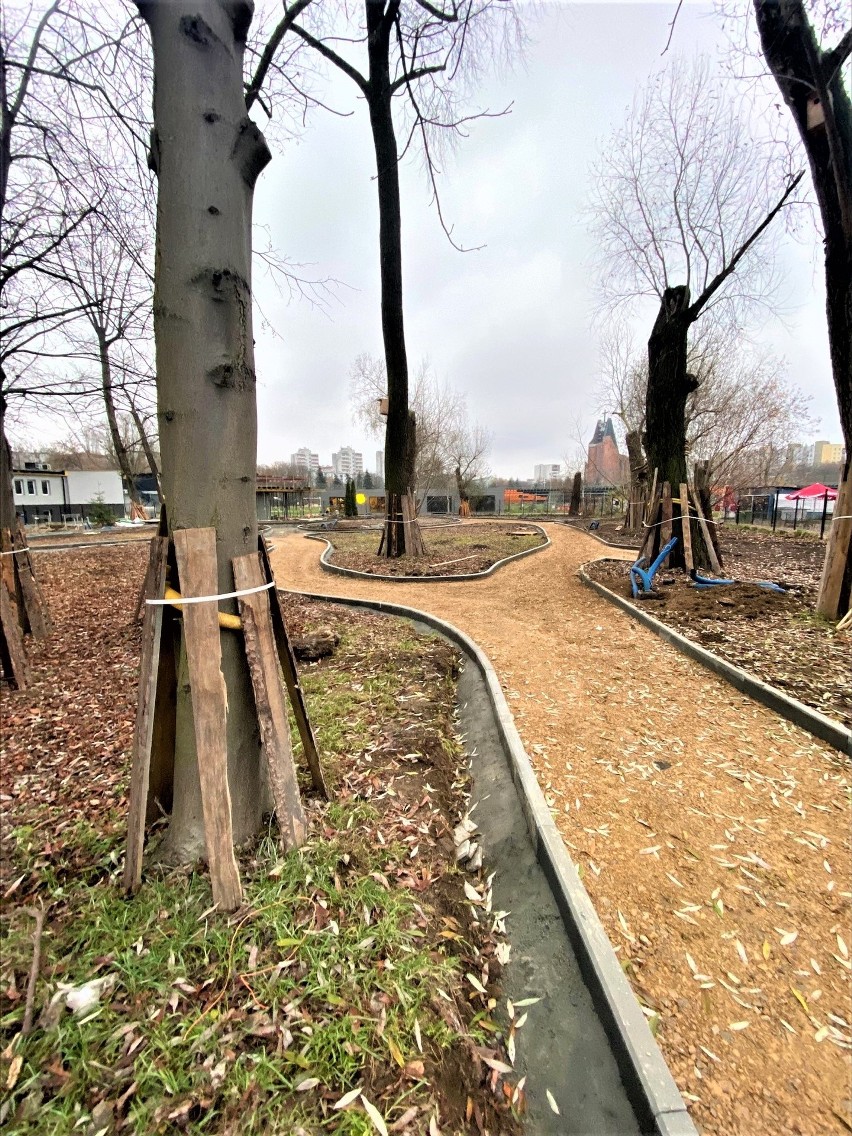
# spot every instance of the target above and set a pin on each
(546, 473)
(380, 463)
(303, 459)
(605, 466)
(347, 463)
(827, 453)
(800, 454)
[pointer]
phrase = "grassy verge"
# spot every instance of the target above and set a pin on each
(335, 1001)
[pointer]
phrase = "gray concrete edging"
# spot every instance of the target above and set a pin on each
(651, 1089)
(822, 727)
(600, 539)
(327, 566)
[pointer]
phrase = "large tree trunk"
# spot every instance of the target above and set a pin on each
(669, 387)
(207, 155)
(398, 444)
(811, 83)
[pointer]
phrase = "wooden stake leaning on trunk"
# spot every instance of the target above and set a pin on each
(13, 658)
(35, 605)
(651, 518)
(152, 627)
(196, 561)
(834, 590)
(686, 527)
(269, 698)
(291, 678)
(705, 532)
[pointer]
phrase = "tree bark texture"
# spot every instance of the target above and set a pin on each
(811, 83)
(669, 387)
(398, 444)
(638, 481)
(576, 495)
(207, 155)
(7, 500)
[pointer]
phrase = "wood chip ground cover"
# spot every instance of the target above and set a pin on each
(713, 836)
(336, 999)
(451, 550)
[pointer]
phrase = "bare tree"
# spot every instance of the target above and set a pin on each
(445, 438)
(466, 452)
(683, 195)
(416, 53)
(810, 79)
(435, 405)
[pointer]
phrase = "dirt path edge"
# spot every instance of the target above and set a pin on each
(327, 566)
(822, 727)
(650, 1087)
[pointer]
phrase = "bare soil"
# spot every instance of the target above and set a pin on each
(451, 550)
(713, 837)
(775, 637)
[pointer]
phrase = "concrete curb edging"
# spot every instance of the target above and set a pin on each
(327, 566)
(600, 539)
(650, 1087)
(822, 727)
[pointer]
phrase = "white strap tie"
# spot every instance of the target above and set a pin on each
(15, 551)
(213, 599)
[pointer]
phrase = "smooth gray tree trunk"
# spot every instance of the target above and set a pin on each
(207, 155)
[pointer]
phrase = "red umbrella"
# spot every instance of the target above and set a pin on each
(815, 490)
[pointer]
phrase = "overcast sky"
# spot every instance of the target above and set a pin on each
(510, 325)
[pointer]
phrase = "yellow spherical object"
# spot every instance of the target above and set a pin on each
(360, 499)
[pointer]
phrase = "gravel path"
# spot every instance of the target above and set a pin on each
(713, 837)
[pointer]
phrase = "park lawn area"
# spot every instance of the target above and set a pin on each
(355, 989)
(778, 638)
(451, 549)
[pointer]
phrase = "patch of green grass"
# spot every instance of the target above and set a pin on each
(325, 970)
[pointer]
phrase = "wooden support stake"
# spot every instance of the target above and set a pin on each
(12, 653)
(291, 678)
(715, 566)
(152, 626)
(269, 700)
(35, 605)
(666, 527)
(652, 518)
(837, 554)
(686, 527)
(196, 560)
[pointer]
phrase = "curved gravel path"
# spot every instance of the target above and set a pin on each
(713, 837)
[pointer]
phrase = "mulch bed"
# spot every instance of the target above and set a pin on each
(775, 637)
(454, 550)
(383, 712)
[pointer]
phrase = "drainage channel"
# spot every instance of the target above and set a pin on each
(586, 1043)
(563, 1048)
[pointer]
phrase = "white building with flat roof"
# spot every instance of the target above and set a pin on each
(547, 472)
(305, 459)
(347, 462)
